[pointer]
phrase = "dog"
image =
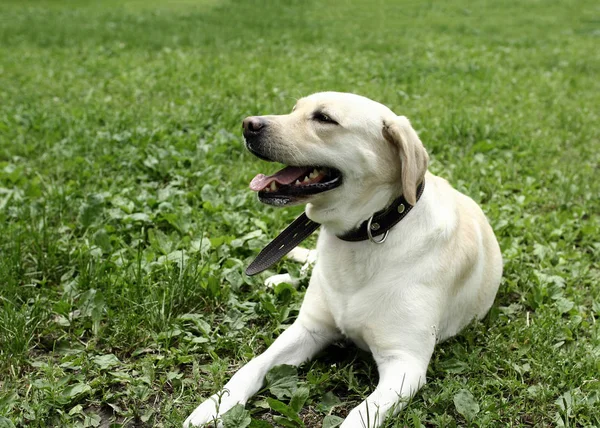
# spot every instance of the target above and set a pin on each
(396, 295)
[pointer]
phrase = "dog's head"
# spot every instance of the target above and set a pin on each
(348, 157)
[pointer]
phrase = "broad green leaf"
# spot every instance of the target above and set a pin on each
(169, 334)
(252, 235)
(202, 245)
(120, 376)
(177, 221)
(284, 409)
(198, 321)
(332, 421)
(94, 420)
(209, 193)
(6, 423)
(102, 240)
(8, 402)
(416, 421)
(174, 375)
(75, 390)
(179, 257)
(92, 304)
(287, 423)
(282, 381)
(564, 305)
(465, 404)
(91, 210)
(160, 241)
(328, 401)
(124, 204)
(540, 251)
(237, 417)
(106, 361)
(141, 217)
(259, 424)
(565, 401)
(299, 398)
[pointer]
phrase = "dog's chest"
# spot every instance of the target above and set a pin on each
(352, 288)
(348, 318)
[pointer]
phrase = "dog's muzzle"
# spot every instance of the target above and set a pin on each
(254, 129)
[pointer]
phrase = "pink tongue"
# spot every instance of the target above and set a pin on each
(286, 176)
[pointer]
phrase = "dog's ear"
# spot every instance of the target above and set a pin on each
(413, 155)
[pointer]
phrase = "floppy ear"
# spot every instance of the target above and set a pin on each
(413, 155)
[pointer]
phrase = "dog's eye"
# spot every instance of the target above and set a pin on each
(323, 118)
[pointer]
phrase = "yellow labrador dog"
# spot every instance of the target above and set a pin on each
(436, 270)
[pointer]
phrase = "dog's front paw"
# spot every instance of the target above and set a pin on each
(210, 411)
(363, 417)
(274, 280)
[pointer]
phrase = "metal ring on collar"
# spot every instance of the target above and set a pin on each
(382, 240)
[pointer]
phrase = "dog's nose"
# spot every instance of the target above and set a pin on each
(252, 125)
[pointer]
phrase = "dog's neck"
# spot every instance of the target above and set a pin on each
(380, 222)
(344, 215)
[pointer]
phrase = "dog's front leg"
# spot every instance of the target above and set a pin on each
(400, 377)
(296, 345)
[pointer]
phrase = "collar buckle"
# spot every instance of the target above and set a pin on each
(375, 226)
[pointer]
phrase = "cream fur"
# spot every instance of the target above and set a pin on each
(439, 269)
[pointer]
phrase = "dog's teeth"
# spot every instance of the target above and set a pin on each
(273, 186)
(314, 174)
(297, 183)
(306, 180)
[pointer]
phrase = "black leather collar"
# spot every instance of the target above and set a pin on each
(382, 221)
(301, 228)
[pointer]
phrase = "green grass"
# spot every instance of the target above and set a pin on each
(126, 221)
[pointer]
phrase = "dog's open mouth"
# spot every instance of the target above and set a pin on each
(294, 184)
